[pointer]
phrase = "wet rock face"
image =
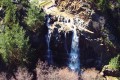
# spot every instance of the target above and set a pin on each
(90, 48)
(112, 73)
(94, 50)
(58, 45)
(97, 24)
(69, 40)
(87, 54)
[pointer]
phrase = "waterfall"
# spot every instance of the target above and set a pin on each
(66, 43)
(74, 61)
(48, 36)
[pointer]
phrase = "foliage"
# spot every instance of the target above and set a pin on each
(35, 18)
(100, 4)
(3, 76)
(114, 63)
(22, 74)
(10, 11)
(91, 74)
(10, 16)
(118, 1)
(50, 73)
(103, 5)
(13, 44)
(43, 72)
(34, 2)
(5, 3)
(24, 2)
(109, 42)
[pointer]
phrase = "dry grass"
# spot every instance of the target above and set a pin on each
(23, 74)
(43, 72)
(91, 74)
(49, 73)
(3, 76)
(65, 74)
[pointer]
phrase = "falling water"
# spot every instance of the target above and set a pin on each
(66, 43)
(74, 62)
(48, 36)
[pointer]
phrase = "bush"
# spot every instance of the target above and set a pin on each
(49, 73)
(43, 72)
(114, 63)
(3, 76)
(91, 74)
(22, 74)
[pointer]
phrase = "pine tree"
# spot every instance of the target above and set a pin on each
(35, 18)
(10, 11)
(10, 16)
(13, 44)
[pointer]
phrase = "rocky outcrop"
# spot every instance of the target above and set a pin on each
(111, 73)
(98, 48)
(81, 8)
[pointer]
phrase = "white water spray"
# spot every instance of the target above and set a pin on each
(74, 61)
(48, 36)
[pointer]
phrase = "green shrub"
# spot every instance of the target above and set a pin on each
(114, 63)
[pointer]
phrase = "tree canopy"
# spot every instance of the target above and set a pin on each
(13, 44)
